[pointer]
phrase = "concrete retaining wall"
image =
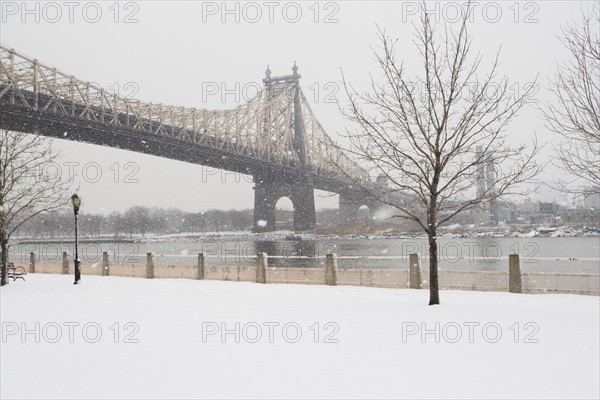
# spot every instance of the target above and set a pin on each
(385, 278)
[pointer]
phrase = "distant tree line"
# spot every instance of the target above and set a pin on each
(137, 220)
(150, 221)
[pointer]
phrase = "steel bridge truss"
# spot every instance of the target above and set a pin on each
(263, 129)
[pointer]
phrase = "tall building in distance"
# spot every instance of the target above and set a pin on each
(486, 180)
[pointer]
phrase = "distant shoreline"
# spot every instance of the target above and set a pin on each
(325, 234)
(70, 240)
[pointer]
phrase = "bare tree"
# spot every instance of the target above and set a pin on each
(27, 186)
(575, 115)
(431, 135)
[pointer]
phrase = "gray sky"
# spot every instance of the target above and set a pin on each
(207, 55)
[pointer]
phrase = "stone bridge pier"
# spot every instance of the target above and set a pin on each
(349, 207)
(350, 204)
(266, 195)
(300, 190)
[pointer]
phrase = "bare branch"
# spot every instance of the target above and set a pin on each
(27, 188)
(575, 114)
(431, 144)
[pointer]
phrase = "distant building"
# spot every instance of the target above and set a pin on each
(591, 197)
(506, 213)
(539, 213)
(547, 208)
(524, 211)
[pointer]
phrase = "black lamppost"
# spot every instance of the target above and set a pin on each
(76, 203)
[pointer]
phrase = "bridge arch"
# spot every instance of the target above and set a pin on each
(364, 213)
(357, 209)
(268, 194)
(284, 213)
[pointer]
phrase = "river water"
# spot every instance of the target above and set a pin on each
(545, 254)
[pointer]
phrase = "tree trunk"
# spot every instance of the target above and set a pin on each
(434, 295)
(3, 244)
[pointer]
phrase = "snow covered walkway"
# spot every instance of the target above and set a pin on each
(125, 337)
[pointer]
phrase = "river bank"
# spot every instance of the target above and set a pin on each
(367, 232)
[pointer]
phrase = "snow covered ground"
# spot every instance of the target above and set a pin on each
(136, 338)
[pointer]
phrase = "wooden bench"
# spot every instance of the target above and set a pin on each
(15, 272)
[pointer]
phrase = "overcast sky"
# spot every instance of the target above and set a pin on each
(211, 55)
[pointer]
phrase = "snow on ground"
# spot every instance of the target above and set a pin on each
(315, 341)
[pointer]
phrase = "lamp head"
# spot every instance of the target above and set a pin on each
(76, 203)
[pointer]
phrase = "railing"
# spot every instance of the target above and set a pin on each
(409, 276)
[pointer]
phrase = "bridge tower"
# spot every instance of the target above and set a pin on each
(270, 185)
(486, 178)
